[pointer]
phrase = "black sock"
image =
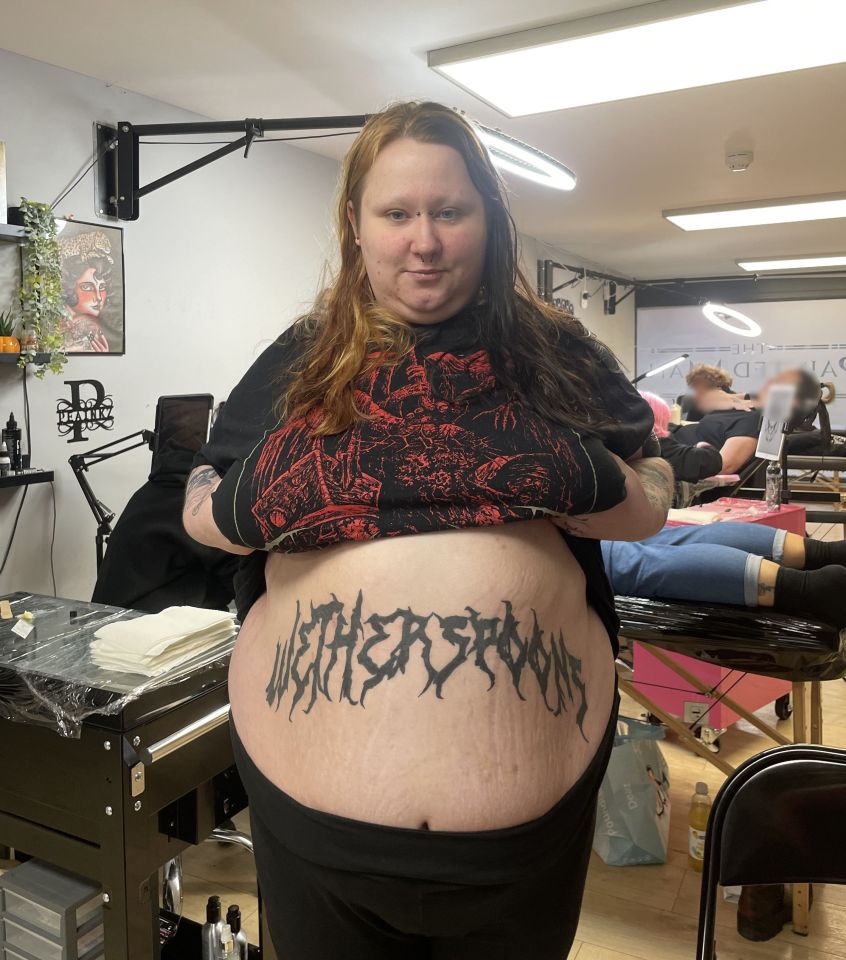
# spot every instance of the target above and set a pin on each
(823, 553)
(815, 594)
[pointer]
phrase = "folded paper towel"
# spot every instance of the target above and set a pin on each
(159, 642)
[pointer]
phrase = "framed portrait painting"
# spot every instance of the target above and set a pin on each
(92, 287)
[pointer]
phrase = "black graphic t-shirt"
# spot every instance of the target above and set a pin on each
(444, 448)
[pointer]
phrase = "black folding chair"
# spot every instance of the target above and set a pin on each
(778, 819)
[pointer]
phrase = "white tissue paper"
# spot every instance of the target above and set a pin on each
(159, 642)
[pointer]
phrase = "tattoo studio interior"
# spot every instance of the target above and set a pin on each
(423, 481)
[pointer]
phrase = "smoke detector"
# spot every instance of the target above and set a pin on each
(740, 161)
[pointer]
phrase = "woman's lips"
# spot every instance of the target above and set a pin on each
(425, 274)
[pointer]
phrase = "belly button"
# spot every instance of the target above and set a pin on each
(424, 825)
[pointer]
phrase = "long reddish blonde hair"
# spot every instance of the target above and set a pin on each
(347, 333)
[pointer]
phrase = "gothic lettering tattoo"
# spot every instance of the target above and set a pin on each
(332, 645)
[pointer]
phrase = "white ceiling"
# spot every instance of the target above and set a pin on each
(634, 158)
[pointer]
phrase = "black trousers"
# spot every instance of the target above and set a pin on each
(340, 889)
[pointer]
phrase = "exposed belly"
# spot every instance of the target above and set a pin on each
(455, 680)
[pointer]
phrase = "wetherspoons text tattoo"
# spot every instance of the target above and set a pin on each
(334, 645)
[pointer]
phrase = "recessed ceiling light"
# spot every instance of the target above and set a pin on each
(643, 50)
(752, 214)
(793, 263)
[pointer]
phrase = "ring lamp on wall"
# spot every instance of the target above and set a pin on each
(527, 162)
(717, 313)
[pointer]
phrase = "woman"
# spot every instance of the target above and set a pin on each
(422, 762)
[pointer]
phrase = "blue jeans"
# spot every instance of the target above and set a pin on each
(716, 563)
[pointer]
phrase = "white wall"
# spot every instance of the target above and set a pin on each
(617, 331)
(217, 265)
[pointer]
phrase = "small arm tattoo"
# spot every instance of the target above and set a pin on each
(199, 488)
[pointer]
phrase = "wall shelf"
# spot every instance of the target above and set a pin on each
(24, 479)
(10, 358)
(11, 234)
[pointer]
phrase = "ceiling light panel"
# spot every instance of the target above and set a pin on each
(793, 263)
(649, 49)
(760, 212)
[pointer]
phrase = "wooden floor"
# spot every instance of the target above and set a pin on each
(630, 913)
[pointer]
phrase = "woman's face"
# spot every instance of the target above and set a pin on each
(422, 231)
(90, 294)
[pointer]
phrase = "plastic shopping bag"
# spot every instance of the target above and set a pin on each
(633, 813)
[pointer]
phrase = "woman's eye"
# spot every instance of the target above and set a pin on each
(395, 215)
(449, 214)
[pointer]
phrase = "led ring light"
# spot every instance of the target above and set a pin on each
(529, 162)
(717, 313)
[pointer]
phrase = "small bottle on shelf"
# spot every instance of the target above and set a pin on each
(5, 461)
(12, 436)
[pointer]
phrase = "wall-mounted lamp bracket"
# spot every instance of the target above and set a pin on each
(118, 186)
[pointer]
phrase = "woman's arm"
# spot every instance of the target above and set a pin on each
(649, 493)
(197, 513)
(720, 400)
(691, 463)
(736, 452)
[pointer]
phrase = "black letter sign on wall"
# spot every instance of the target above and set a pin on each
(80, 414)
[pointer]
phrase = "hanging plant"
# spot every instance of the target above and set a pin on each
(42, 313)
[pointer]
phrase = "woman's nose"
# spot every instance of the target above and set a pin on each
(424, 241)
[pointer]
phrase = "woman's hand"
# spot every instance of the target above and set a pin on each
(649, 494)
(99, 344)
(197, 515)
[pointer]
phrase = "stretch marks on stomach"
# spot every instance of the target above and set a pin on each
(455, 678)
(335, 654)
